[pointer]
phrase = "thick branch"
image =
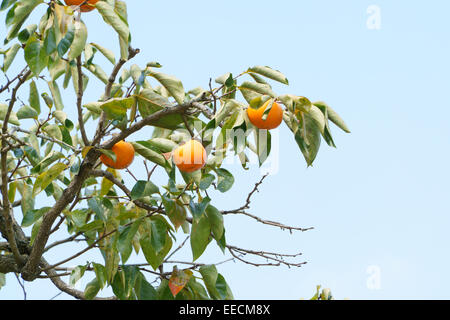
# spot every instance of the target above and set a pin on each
(30, 270)
(7, 210)
(8, 264)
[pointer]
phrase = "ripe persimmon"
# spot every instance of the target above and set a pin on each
(88, 6)
(190, 156)
(124, 156)
(273, 119)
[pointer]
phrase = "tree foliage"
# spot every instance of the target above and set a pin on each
(46, 153)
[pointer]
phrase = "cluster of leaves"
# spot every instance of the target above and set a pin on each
(325, 294)
(49, 152)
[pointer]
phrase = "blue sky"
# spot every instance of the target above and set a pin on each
(380, 198)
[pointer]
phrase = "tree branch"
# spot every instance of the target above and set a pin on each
(7, 210)
(100, 127)
(79, 103)
(61, 285)
(277, 258)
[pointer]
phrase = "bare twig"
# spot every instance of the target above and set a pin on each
(277, 258)
(177, 249)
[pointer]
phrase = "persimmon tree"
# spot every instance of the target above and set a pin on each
(46, 154)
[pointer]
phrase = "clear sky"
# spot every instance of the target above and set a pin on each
(379, 202)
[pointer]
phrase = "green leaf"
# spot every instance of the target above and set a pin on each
(106, 52)
(45, 178)
(223, 289)
(117, 107)
(151, 256)
(93, 107)
(215, 283)
(143, 289)
(27, 202)
(65, 43)
(215, 220)
(197, 209)
(158, 234)
(172, 84)
(308, 139)
(48, 160)
(162, 144)
(96, 71)
(143, 189)
(263, 144)
(35, 230)
(35, 55)
(112, 17)
(26, 112)
(143, 149)
(18, 14)
(317, 116)
(76, 274)
(326, 132)
(223, 78)
(209, 274)
(50, 42)
(26, 33)
(96, 206)
(225, 180)
(269, 73)
(53, 131)
(9, 56)
(92, 289)
(48, 101)
(333, 116)
(100, 273)
(32, 216)
(206, 181)
(295, 103)
(12, 117)
(34, 97)
(56, 94)
(258, 88)
(221, 286)
(6, 3)
(94, 225)
(118, 285)
(150, 102)
(79, 41)
(175, 211)
(124, 243)
(200, 233)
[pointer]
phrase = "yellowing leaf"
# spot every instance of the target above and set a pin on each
(85, 151)
(178, 280)
(45, 178)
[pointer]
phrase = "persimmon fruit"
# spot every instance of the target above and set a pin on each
(88, 6)
(273, 119)
(190, 156)
(124, 156)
